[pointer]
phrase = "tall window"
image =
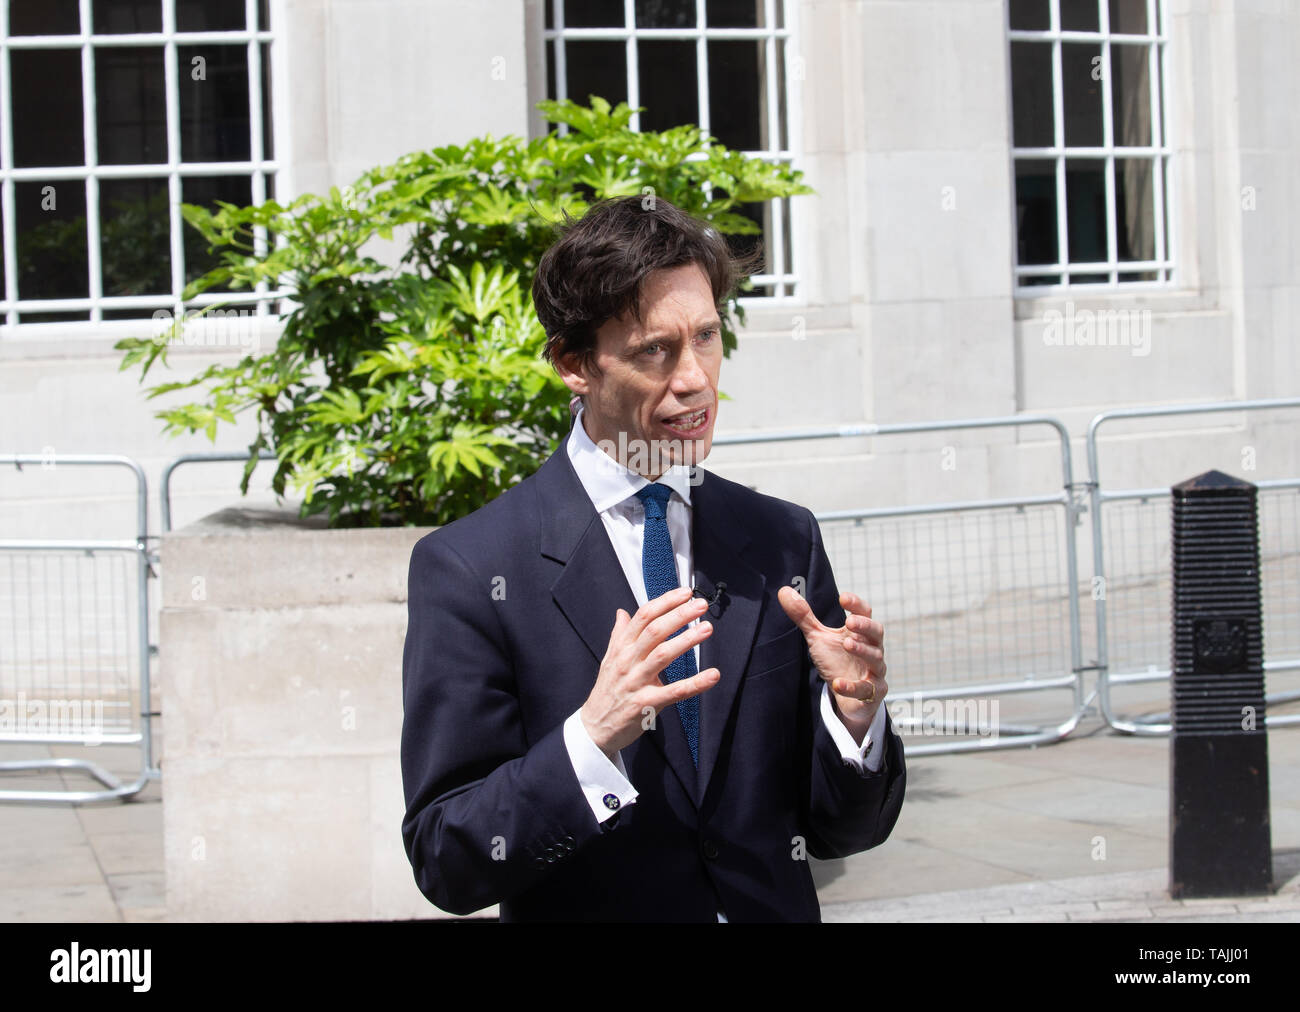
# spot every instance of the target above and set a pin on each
(1090, 145)
(113, 113)
(720, 64)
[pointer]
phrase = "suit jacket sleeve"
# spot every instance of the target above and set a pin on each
(487, 812)
(846, 811)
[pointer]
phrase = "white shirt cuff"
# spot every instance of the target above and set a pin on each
(865, 757)
(604, 783)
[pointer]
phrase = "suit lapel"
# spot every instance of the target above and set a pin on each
(718, 540)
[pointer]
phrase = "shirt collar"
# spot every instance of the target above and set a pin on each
(606, 481)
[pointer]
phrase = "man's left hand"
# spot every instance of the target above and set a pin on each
(850, 658)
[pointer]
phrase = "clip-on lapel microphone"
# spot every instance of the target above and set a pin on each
(716, 599)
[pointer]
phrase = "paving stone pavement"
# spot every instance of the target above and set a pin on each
(1120, 896)
(100, 862)
(1076, 831)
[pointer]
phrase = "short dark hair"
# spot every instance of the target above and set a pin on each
(595, 271)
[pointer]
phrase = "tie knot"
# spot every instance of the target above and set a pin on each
(655, 494)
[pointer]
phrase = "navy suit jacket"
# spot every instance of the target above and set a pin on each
(510, 613)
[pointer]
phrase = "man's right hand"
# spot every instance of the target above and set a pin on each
(628, 688)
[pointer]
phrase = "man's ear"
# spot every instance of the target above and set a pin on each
(570, 369)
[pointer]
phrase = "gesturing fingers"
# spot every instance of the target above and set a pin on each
(621, 619)
(862, 648)
(659, 633)
(799, 611)
(868, 629)
(664, 653)
(854, 604)
(659, 629)
(686, 687)
(640, 647)
(868, 689)
(661, 605)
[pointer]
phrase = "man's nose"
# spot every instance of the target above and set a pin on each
(690, 374)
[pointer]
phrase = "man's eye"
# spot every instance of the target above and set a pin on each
(651, 348)
(708, 335)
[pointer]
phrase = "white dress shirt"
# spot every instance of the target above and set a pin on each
(612, 489)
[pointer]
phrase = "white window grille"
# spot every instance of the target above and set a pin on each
(1090, 144)
(719, 64)
(113, 113)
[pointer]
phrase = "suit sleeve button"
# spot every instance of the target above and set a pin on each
(710, 849)
(569, 843)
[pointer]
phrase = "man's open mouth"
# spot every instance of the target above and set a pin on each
(689, 425)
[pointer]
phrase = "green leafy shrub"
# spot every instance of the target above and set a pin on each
(413, 392)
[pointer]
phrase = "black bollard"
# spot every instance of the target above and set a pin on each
(1219, 836)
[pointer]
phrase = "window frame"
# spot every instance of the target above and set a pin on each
(257, 168)
(786, 282)
(1161, 151)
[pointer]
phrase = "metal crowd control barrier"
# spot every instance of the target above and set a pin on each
(954, 683)
(958, 686)
(165, 501)
(1150, 640)
(1001, 652)
(73, 684)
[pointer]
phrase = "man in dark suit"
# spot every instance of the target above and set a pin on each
(618, 706)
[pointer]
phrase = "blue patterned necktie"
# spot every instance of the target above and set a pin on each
(659, 568)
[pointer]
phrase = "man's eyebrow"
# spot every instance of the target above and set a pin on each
(709, 323)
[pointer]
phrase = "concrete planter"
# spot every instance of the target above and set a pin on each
(281, 658)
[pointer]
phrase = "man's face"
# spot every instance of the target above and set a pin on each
(657, 384)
